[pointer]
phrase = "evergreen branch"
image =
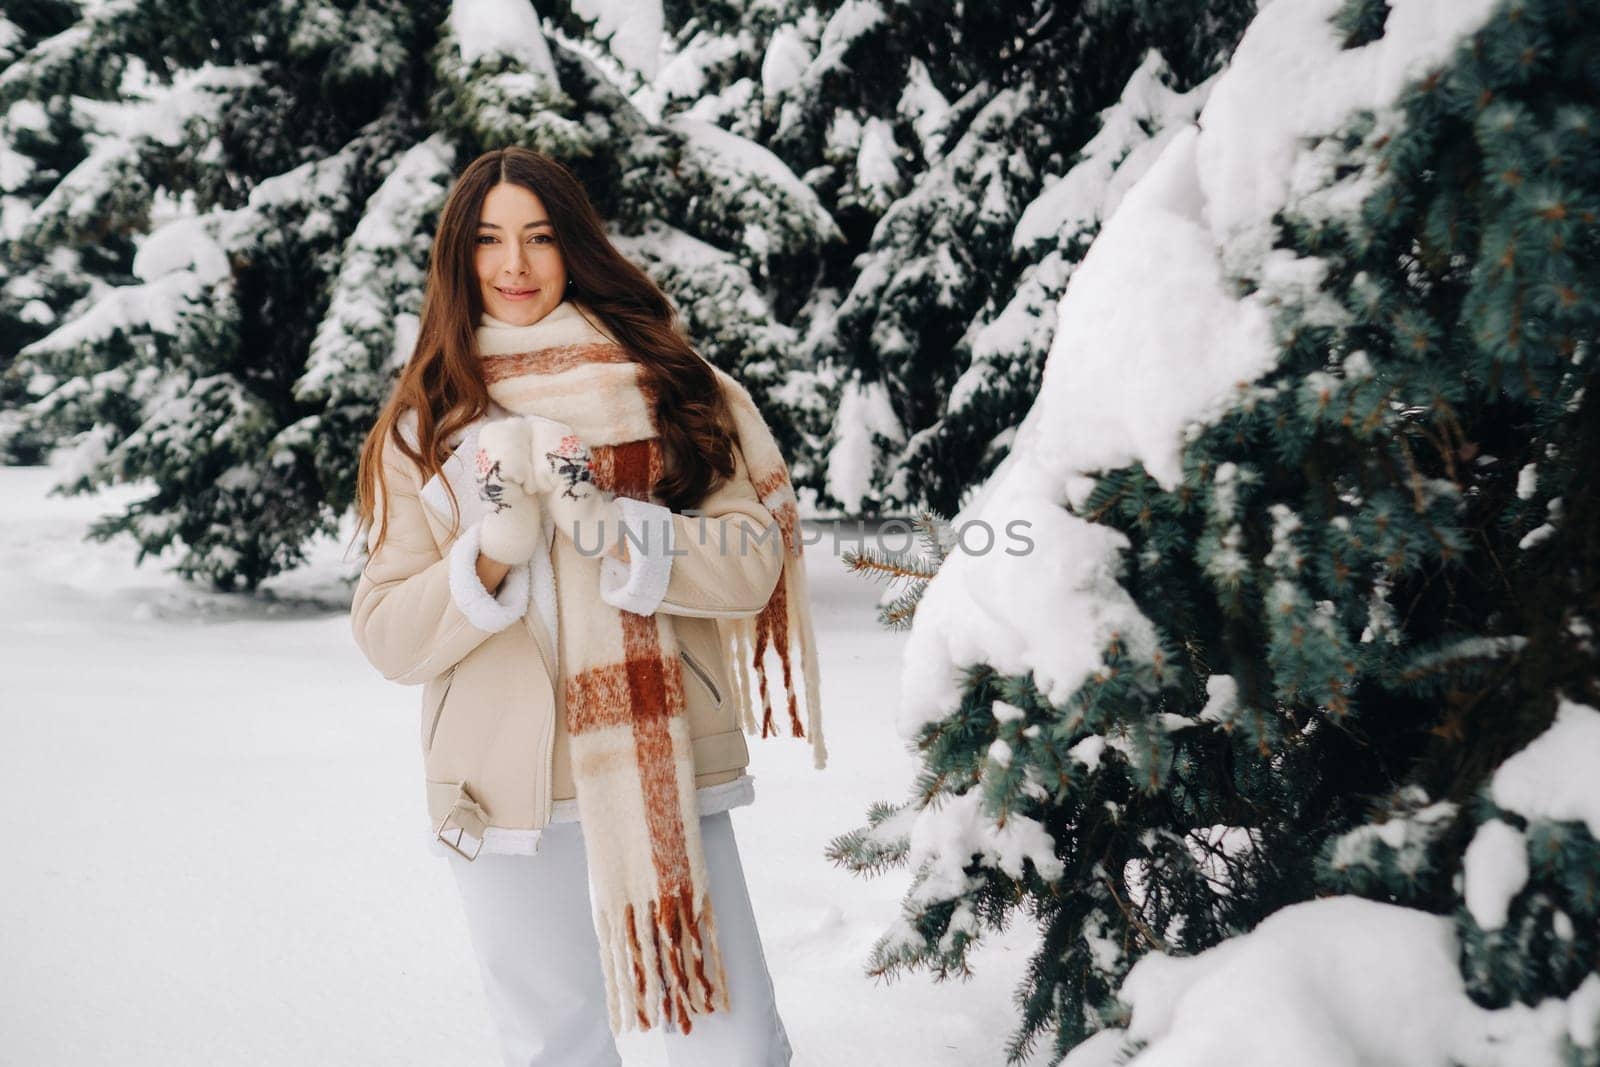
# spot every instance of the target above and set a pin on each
(1446, 453)
(927, 526)
(898, 613)
(1137, 923)
(1494, 557)
(874, 564)
(1459, 661)
(1421, 503)
(1098, 513)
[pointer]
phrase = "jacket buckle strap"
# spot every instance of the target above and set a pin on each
(438, 833)
(466, 816)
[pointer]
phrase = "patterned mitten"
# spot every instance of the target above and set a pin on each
(585, 513)
(511, 529)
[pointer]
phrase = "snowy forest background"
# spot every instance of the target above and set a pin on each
(1275, 323)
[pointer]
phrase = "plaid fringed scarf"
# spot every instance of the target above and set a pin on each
(631, 758)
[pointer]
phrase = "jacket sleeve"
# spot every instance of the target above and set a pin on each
(416, 613)
(721, 560)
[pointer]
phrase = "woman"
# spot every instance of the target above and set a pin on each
(582, 540)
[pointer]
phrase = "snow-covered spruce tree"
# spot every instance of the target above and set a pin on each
(1309, 602)
(42, 137)
(246, 142)
(1000, 357)
(974, 148)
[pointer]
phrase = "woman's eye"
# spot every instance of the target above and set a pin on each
(538, 239)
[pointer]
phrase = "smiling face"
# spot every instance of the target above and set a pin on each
(521, 275)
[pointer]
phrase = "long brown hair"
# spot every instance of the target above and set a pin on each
(442, 382)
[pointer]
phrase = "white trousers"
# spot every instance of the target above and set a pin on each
(533, 934)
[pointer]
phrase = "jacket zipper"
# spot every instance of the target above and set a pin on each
(438, 711)
(549, 771)
(552, 672)
(700, 673)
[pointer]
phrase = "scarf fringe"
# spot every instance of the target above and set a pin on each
(674, 962)
(748, 639)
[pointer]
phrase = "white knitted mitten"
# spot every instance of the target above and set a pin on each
(585, 513)
(511, 529)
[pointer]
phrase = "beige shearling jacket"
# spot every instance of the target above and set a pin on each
(492, 725)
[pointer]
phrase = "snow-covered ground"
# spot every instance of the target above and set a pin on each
(214, 854)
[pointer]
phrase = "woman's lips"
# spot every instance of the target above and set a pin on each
(510, 294)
